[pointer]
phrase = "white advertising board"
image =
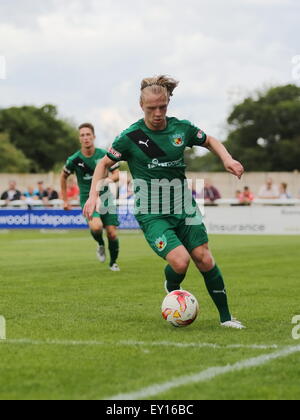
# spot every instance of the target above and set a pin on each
(253, 220)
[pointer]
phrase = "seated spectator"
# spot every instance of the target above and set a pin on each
(194, 193)
(284, 194)
(31, 194)
(72, 190)
(269, 190)
(12, 194)
(52, 194)
(211, 194)
(42, 193)
(246, 196)
(238, 195)
(197, 191)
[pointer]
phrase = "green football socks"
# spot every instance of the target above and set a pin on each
(216, 288)
(98, 236)
(173, 279)
(114, 248)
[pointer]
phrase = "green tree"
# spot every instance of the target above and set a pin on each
(12, 159)
(265, 132)
(206, 163)
(40, 134)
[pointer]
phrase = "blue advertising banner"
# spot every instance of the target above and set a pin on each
(55, 219)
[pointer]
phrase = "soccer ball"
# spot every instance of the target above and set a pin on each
(180, 308)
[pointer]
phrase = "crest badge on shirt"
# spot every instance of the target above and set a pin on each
(177, 140)
(161, 243)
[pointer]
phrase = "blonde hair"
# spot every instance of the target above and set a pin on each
(159, 85)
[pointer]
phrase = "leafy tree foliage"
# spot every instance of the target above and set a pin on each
(39, 134)
(265, 132)
(12, 159)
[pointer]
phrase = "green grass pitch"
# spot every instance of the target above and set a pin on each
(75, 330)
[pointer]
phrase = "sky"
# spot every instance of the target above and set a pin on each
(88, 57)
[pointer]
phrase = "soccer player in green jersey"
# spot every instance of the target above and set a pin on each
(154, 149)
(83, 164)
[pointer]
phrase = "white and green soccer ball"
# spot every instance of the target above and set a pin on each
(180, 308)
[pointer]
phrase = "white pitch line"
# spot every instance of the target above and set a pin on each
(53, 342)
(205, 375)
(200, 345)
(45, 240)
(129, 343)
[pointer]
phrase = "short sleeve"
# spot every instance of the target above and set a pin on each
(196, 137)
(69, 167)
(120, 149)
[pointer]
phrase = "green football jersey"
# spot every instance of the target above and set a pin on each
(157, 158)
(84, 168)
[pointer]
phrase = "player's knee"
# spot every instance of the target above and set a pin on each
(181, 266)
(203, 259)
(207, 262)
(95, 226)
(111, 234)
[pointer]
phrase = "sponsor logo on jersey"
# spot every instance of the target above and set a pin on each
(161, 243)
(115, 153)
(157, 164)
(177, 140)
(145, 143)
(83, 166)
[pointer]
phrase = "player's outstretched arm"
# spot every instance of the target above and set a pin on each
(100, 175)
(63, 186)
(231, 165)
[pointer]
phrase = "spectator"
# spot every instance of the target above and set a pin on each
(72, 190)
(284, 194)
(52, 194)
(194, 193)
(31, 194)
(238, 195)
(42, 193)
(12, 194)
(211, 194)
(246, 196)
(269, 190)
(197, 191)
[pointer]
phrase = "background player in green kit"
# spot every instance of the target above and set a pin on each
(154, 149)
(83, 164)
